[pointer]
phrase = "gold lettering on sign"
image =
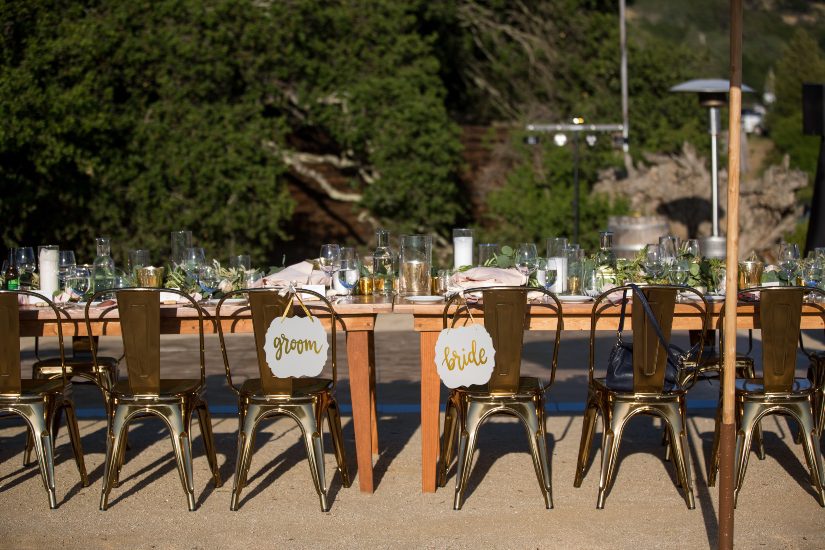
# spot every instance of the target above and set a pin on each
(453, 359)
(288, 345)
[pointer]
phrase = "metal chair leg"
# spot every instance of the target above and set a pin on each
(470, 421)
(744, 435)
(610, 451)
(74, 437)
(334, 420)
(447, 441)
(183, 451)
(810, 443)
(676, 421)
(247, 421)
(114, 442)
(538, 447)
(311, 429)
(588, 429)
(205, 421)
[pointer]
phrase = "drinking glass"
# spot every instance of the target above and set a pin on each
(668, 245)
(241, 261)
(78, 280)
(691, 248)
(788, 261)
(25, 259)
(575, 261)
(653, 266)
(526, 258)
(138, 258)
(193, 259)
(556, 247)
(181, 241)
(486, 252)
(679, 272)
(330, 259)
(550, 274)
(346, 277)
(65, 261)
(208, 280)
(252, 278)
(812, 271)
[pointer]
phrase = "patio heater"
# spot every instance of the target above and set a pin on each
(713, 96)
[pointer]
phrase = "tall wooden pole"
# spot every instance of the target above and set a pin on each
(727, 430)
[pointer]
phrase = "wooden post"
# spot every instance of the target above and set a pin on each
(727, 431)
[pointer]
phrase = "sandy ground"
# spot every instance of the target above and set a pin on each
(503, 509)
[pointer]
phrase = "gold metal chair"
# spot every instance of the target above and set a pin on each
(507, 392)
(38, 402)
(650, 394)
(144, 392)
(816, 374)
(79, 365)
(778, 391)
(308, 401)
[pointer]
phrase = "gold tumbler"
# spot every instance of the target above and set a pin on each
(365, 285)
(150, 277)
(750, 274)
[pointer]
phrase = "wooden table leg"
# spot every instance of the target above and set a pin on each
(430, 389)
(358, 359)
(373, 400)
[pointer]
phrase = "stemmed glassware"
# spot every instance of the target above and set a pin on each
(78, 281)
(330, 260)
(691, 249)
(812, 272)
(679, 272)
(242, 261)
(27, 264)
(346, 276)
(789, 261)
(526, 258)
(667, 249)
(653, 266)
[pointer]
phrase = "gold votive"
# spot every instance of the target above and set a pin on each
(365, 285)
(750, 274)
(574, 285)
(150, 277)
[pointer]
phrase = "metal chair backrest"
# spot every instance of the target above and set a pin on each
(505, 319)
(139, 315)
(265, 305)
(10, 338)
(780, 313)
(649, 356)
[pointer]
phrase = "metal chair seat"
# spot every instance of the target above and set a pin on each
(746, 386)
(35, 389)
(301, 387)
(75, 366)
(600, 385)
(168, 388)
(528, 388)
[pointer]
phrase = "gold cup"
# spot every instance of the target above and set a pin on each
(750, 274)
(365, 285)
(574, 285)
(150, 277)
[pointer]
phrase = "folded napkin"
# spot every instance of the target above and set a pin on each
(300, 273)
(486, 276)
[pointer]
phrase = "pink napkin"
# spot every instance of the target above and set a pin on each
(301, 273)
(487, 276)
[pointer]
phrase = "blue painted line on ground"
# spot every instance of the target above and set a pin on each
(560, 407)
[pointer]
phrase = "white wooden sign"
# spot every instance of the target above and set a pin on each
(296, 347)
(464, 356)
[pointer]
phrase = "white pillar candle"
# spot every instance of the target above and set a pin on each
(463, 251)
(560, 265)
(48, 271)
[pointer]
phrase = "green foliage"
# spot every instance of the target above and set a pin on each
(536, 201)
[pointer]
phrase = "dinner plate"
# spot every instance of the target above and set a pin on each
(715, 297)
(574, 299)
(425, 299)
(228, 301)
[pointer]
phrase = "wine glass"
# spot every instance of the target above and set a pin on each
(812, 271)
(667, 249)
(789, 260)
(65, 261)
(208, 280)
(679, 272)
(78, 280)
(330, 259)
(526, 258)
(194, 259)
(241, 261)
(691, 249)
(653, 266)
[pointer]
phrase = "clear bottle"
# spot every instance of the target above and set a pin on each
(12, 274)
(103, 272)
(382, 264)
(605, 261)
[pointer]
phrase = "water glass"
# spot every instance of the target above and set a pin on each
(556, 247)
(486, 253)
(668, 246)
(65, 261)
(180, 242)
(691, 248)
(679, 272)
(78, 281)
(241, 261)
(654, 266)
(812, 271)
(526, 258)
(788, 261)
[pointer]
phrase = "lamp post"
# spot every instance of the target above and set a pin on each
(560, 132)
(712, 94)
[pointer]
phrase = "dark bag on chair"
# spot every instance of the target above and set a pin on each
(620, 364)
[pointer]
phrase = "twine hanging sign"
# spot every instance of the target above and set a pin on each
(464, 356)
(296, 346)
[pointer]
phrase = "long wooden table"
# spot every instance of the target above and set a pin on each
(428, 319)
(357, 319)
